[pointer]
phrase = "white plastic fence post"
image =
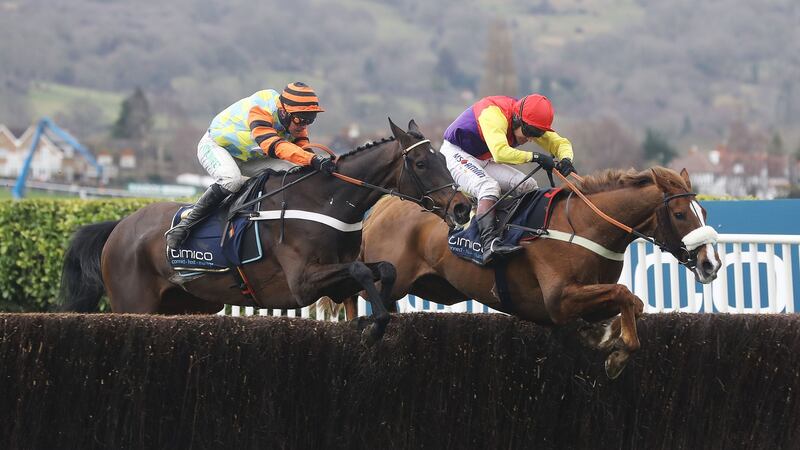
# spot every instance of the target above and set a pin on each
(722, 281)
(674, 285)
(362, 307)
(738, 277)
(787, 262)
(772, 289)
(641, 275)
(658, 272)
(755, 278)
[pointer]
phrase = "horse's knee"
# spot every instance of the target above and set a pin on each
(360, 272)
(623, 293)
(638, 306)
(387, 272)
(620, 291)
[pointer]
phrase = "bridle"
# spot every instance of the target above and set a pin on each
(424, 200)
(685, 256)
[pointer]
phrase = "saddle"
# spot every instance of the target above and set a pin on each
(223, 240)
(522, 218)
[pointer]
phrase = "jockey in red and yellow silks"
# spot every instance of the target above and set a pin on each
(483, 139)
(266, 129)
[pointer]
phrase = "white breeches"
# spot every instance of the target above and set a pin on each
(229, 172)
(481, 179)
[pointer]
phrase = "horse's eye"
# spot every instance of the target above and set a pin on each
(680, 215)
(420, 164)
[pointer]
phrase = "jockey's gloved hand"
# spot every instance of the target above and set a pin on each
(546, 161)
(324, 165)
(565, 167)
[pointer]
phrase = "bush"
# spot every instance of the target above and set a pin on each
(33, 237)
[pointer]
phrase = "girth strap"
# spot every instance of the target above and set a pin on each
(308, 215)
(501, 283)
(585, 243)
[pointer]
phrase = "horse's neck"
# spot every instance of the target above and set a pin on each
(634, 207)
(376, 166)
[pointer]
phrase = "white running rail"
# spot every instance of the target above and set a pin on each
(739, 288)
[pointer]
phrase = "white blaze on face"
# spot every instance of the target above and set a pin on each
(698, 211)
(703, 235)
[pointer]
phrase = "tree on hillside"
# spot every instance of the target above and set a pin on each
(500, 75)
(448, 69)
(604, 144)
(656, 148)
(135, 119)
(775, 146)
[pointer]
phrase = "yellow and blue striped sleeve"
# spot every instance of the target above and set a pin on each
(494, 127)
(558, 146)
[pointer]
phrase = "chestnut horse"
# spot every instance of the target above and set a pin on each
(305, 259)
(553, 281)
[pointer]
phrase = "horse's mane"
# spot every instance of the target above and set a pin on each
(612, 179)
(378, 142)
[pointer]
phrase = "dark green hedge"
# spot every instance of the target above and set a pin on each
(33, 236)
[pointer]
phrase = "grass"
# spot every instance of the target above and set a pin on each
(48, 99)
(5, 194)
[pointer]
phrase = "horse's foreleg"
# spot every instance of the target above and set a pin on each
(309, 282)
(366, 276)
(577, 301)
(387, 274)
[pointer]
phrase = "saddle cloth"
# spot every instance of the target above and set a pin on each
(201, 252)
(529, 221)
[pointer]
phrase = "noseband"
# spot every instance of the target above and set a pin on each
(684, 255)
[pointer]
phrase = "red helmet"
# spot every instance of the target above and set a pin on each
(536, 110)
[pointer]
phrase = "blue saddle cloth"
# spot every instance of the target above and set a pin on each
(528, 222)
(202, 251)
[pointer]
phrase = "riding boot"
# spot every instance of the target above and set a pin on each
(491, 241)
(204, 206)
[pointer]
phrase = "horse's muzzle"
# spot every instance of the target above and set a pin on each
(708, 264)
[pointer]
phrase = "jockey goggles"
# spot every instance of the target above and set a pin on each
(303, 118)
(531, 131)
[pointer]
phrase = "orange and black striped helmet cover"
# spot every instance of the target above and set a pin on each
(300, 97)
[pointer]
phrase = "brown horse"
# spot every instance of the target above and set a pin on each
(553, 281)
(304, 260)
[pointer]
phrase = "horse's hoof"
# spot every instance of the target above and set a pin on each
(362, 322)
(598, 336)
(372, 334)
(615, 362)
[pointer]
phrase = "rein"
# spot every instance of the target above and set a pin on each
(686, 257)
(424, 200)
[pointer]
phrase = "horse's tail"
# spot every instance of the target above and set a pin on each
(329, 306)
(81, 279)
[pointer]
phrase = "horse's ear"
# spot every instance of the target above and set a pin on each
(396, 131)
(660, 181)
(412, 126)
(685, 176)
